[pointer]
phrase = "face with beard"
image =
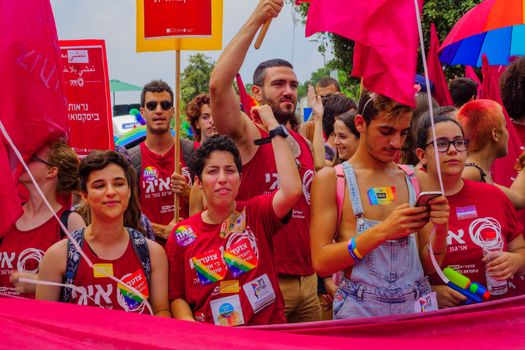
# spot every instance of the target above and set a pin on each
(279, 92)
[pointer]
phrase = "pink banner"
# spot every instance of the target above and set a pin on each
(89, 103)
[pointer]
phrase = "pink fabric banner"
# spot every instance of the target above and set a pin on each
(28, 324)
(435, 71)
(386, 54)
(32, 99)
(471, 74)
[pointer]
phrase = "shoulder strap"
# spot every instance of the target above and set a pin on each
(136, 160)
(73, 260)
(409, 171)
(340, 192)
(140, 246)
(64, 219)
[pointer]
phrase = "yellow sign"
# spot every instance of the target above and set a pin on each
(189, 44)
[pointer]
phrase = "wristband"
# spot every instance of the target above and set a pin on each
(352, 249)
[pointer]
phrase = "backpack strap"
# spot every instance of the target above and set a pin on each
(411, 174)
(73, 260)
(140, 246)
(136, 160)
(340, 192)
(64, 219)
(188, 154)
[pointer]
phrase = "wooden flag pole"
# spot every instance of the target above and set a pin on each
(177, 128)
(262, 33)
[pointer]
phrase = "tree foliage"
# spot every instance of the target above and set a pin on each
(195, 79)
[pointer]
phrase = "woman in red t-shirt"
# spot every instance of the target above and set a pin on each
(104, 182)
(475, 209)
(55, 169)
(221, 260)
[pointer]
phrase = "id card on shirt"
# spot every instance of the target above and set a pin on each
(260, 293)
(426, 303)
(227, 311)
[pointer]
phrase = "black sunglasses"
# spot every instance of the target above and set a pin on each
(165, 105)
(35, 158)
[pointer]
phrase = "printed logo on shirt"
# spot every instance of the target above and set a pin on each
(241, 253)
(260, 293)
(209, 266)
(464, 213)
(308, 177)
(227, 311)
(185, 236)
(28, 258)
(129, 300)
(150, 173)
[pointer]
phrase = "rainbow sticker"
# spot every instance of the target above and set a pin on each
(209, 266)
(382, 195)
(240, 257)
(185, 236)
(150, 173)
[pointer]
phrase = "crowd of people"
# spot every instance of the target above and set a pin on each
(279, 221)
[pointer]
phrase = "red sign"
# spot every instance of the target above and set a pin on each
(87, 86)
(177, 18)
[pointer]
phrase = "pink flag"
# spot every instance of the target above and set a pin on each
(386, 31)
(34, 107)
(471, 74)
(435, 71)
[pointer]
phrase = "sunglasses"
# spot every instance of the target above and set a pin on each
(35, 158)
(165, 105)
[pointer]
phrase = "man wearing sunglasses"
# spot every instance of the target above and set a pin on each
(274, 84)
(153, 160)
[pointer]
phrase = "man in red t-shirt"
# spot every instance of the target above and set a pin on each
(156, 162)
(274, 84)
(221, 265)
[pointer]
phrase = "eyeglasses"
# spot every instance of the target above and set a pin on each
(443, 145)
(165, 105)
(35, 158)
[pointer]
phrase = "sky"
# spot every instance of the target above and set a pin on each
(114, 21)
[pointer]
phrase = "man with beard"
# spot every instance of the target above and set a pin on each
(274, 84)
(153, 161)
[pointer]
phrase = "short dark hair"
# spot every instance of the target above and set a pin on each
(371, 103)
(193, 112)
(327, 81)
(512, 86)
(425, 124)
(260, 72)
(155, 86)
(335, 105)
(348, 119)
(212, 144)
(462, 90)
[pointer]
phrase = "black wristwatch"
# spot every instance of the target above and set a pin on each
(278, 131)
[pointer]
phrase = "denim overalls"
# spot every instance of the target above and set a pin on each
(389, 279)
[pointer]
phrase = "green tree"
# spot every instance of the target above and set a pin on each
(195, 79)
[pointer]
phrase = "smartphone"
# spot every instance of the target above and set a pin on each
(425, 197)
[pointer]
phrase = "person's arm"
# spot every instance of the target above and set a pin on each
(179, 185)
(509, 262)
(197, 200)
(52, 268)
(163, 231)
(181, 310)
(75, 222)
(471, 173)
(316, 103)
(439, 214)
(290, 186)
(329, 257)
(227, 116)
(158, 289)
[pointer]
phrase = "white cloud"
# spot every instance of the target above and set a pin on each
(114, 21)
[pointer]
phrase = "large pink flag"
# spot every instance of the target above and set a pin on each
(385, 32)
(471, 74)
(34, 107)
(435, 71)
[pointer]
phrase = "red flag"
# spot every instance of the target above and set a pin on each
(32, 99)
(471, 74)
(385, 32)
(435, 71)
(247, 101)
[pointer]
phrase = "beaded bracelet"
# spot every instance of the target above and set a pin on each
(352, 249)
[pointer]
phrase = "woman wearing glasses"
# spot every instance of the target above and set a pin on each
(55, 169)
(476, 210)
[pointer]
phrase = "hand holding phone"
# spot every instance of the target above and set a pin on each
(425, 197)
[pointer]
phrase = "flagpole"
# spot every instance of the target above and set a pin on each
(262, 34)
(177, 129)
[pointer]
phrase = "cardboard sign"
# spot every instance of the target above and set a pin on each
(88, 100)
(175, 19)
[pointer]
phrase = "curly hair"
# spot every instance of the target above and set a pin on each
(212, 144)
(512, 86)
(155, 86)
(66, 161)
(193, 112)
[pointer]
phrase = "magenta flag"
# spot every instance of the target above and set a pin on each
(386, 31)
(34, 107)
(435, 71)
(471, 74)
